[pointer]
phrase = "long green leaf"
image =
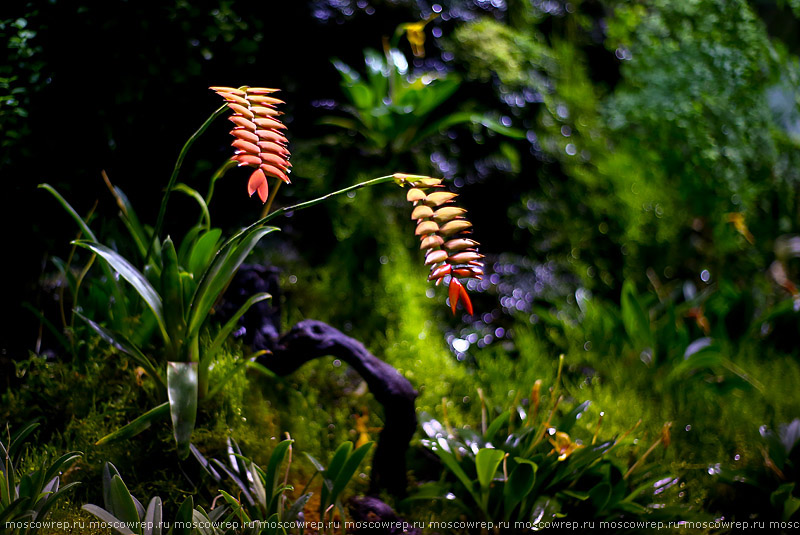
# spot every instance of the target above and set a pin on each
(133, 276)
(70, 210)
(230, 325)
(519, 485)
(119, 299)
(138, 425)
(182, 384)
(349, 469)
(172, 300)
(131, 221)
(275, 460)
(227, 261)
(122, 343)
(194, 194)
(203, 251)
(450, 462)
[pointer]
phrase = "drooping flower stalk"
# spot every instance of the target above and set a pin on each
(443, 230)
(259, 141)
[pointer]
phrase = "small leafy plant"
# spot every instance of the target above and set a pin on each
(26, 499)
(126, 515)
(525, 466)
(336, 476)
(262, 493)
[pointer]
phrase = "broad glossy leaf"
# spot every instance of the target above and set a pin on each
(486, 462)
(544, 510)
(230, 325)
(182, 381)
(122, 505)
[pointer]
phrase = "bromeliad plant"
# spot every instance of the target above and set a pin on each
(526, 466)
(26, 498)
(179, 286)
(261, 492)
(394, 111)
(126, 515)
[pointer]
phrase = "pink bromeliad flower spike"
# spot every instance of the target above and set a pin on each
(259, 141)
(442, 229)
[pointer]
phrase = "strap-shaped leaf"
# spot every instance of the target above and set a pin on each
(131, 221)
(194, 194)
(332, 472)
(297, 507)
(120, 342)
(231, 324)
(452, 464)
(182, 381)
(496, 424)
(184, 518)
(215, 279)
(172, 299)
(44, 508)
(133, 276)
(203, 251)
(275, 460)
(138, 425)
(153, 518)
(349, 469)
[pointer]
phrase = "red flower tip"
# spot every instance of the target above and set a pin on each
(455, 291)
(258, 182)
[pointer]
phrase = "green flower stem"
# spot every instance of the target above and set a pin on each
(318, 200)
(172, 179)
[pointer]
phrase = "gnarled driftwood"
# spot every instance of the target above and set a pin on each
(311, 339)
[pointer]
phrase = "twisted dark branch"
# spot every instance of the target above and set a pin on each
(311, 339)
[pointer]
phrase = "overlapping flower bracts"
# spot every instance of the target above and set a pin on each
(443, 230)
(259, 141)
